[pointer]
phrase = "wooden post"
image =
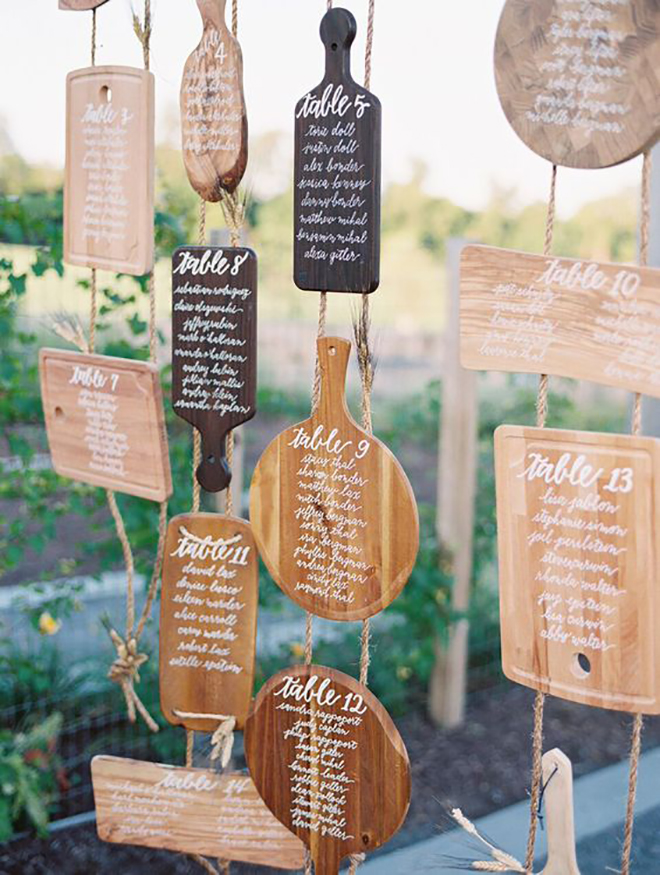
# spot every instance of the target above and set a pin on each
(651, 406)
(455, 505)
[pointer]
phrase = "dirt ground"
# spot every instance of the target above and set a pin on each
(481, 766)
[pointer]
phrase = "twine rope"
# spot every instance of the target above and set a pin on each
(539, 700)
(222, 739)
(636, 429)
(93, 46)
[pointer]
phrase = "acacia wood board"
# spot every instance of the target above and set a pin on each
(570, 318)
(214, 125)
(214, 348)
(332, 510)
(329, 762)
(192, 811)
(208, 619)
(109, 174)
(105, 422)
(579, 81)
(81, 5)
(577, 516)
(337, 173)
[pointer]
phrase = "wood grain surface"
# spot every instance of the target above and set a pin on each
(579, 569)
(557, 773)
(213, 116)
(579, 81)
(329, 762)
(193, 811)
(214, 348)
(105, 422)
(586, 320)
(81, 5)
(337, 173)
(332, 510)
(208, 619)
(109, 178)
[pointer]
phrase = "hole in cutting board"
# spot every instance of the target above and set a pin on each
(59, 413)
(333, 350)
(581, 666)
(210, 459)
(334, 47)
(106, 94)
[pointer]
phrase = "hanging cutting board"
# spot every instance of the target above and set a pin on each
(337, 173)
(579, 568)
(579, 81)
(105, 422)
(208, 620)
(329, 762)
(214, 348)
(213, 115)
(332, 510)
(109, 178)
(81, 5)
(192, 811)
(545, 315)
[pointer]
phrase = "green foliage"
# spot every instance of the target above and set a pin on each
(31, 776)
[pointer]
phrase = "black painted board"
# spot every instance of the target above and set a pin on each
(214, 348)
(337, 174)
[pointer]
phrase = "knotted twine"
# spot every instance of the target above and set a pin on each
(636, 429)
(124, 671)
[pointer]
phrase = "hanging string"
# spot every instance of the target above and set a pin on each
(93, 53)
(234, 18)
(636, 429)
(539, 701)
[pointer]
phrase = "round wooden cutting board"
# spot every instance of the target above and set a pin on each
(332, 511)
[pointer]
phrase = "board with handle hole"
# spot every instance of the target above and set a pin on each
(337, 173)
(208, 620)
(105, 422)
(332, 510)
(328, 761)
(579, 569)
(214, 348)
(213, 115)
(109, 175)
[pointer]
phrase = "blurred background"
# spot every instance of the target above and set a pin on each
(453, 170)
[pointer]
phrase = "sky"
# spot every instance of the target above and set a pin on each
(432, 70)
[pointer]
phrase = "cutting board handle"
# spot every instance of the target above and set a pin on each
(334, 353)
(213, 472)
(338, 30)
(213, 12)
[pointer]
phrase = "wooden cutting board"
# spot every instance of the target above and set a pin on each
(192, 811)
(105, 422)
(332, 510)
(337, 173)
(579, 569)
(109, 178)
(545, 315)
(208, 619)
(329, 762)
(580, 82)
(213, 115)
(81, 5)
(214, 348)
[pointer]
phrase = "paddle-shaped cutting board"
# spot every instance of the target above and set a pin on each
(337, 173)
(214, 348)
(192, 811)
(213, 115)
(109, 178)
(577, 516)
(546, 315)
(208, 620)
(329, 762)
(105, 422)
(332, 510)
(580, 81)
